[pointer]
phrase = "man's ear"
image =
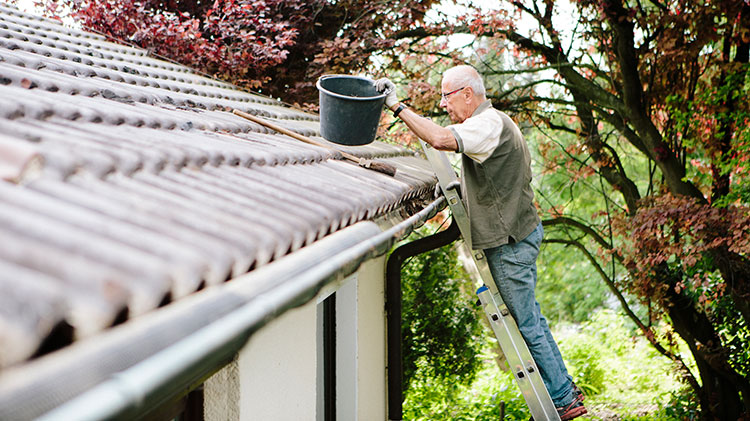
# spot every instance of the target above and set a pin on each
(468, 94)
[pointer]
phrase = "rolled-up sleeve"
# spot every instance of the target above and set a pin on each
(479, 135)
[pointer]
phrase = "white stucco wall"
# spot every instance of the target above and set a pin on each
(277, 374)
(371, 341)
(278, 369)
(346, 350)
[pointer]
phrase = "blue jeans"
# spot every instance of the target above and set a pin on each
(514, 268)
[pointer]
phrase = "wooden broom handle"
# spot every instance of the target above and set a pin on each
(380, 167)
(279, 129)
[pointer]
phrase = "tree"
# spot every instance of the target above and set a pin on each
(277, 47)
(644, 105)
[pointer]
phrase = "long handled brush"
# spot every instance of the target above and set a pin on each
(380, 167)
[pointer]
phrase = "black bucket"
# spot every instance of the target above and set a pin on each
(350, 108)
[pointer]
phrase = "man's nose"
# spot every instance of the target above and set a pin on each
(443, 102)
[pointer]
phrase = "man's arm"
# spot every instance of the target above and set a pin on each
(439, 137)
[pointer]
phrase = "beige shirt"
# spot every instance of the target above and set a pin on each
(479, 135)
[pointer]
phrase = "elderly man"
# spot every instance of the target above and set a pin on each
(496, 177)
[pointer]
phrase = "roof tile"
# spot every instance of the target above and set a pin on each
(17, 159)
(130, 184)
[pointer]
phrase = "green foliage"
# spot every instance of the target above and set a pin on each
(481, 400)
(621, 374)
(606, 357)
(713, 127)
(735, 334)
(583, 356)
(682, 405)
(439, 325)
(568, 290)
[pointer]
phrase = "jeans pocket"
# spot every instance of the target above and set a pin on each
(526, 251)
(522, 253)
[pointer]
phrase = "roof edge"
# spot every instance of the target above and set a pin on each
(123, 384)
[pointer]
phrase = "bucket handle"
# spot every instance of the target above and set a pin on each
(328, 76)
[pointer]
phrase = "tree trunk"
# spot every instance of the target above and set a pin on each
(722, 387)
(735, 270)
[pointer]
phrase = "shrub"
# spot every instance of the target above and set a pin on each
(583, 355)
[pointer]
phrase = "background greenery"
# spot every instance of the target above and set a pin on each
(453, 372)
(440, 329)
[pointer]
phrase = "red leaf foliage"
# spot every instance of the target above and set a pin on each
(681, 232)
(277, 46)
(227, 38)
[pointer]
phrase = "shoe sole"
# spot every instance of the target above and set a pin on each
(574, 413)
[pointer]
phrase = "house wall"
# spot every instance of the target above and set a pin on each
(278, 369)
(371, 341)
(276, 375)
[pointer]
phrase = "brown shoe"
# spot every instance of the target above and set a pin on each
(573, 410)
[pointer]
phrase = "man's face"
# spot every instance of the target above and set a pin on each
(456, 100)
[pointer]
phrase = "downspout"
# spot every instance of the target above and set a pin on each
(393, 310)
(121, 385)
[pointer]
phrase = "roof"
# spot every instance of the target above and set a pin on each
(128, 184)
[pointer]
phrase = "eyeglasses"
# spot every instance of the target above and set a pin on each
(445, 96)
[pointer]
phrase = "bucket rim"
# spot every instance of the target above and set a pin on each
(352, 98)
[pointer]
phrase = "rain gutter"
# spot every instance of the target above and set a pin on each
(130, 370)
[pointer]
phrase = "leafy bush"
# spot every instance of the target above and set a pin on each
(583, 355)
(440, 325)
(682, 406)
(622, 375)
(481, 401)
(630, 376)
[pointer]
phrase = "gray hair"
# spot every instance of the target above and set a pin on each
(465, 75)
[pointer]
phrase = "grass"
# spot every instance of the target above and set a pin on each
(624, 377)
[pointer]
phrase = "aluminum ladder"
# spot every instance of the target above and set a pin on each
(503, 325)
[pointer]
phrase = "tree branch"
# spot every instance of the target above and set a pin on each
(647, 332)
(580, 226)
(635, 111)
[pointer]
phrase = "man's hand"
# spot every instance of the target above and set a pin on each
(439, 137)
(387, 87)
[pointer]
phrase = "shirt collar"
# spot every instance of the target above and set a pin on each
(482, 108)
